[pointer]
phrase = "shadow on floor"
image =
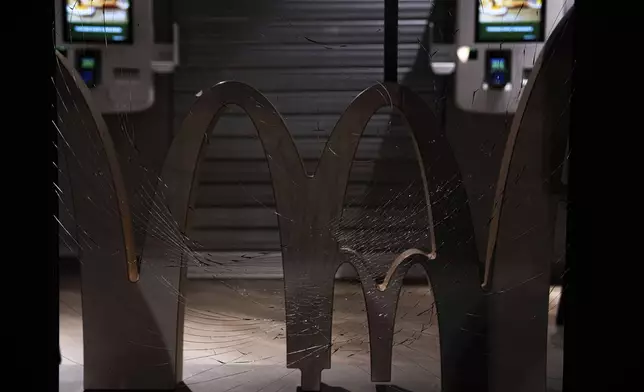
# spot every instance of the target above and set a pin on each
(379, 388)
(390, 388)
(326, 388)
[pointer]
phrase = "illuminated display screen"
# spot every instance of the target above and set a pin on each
(88, 63)
(510, 20)
(497, 65)
(498, 68)
(498, 74)
(98, 21)
(88, 66)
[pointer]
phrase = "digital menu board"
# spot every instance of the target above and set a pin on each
(510, 20)
(98, 21)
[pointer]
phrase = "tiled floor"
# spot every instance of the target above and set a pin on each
(248, 352)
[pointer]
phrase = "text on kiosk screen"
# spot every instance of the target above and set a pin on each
(510, 21)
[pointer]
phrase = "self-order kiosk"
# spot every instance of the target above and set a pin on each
(111, 44)
(496, 44)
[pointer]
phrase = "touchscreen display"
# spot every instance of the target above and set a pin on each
(510, 20)
(88, 66)
(498, 72)
(98, 21)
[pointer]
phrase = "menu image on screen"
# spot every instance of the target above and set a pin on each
(510, 20)
(98, 21)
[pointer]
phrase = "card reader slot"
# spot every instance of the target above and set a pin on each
(123, 73)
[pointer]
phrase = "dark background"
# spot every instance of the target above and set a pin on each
(310, 58)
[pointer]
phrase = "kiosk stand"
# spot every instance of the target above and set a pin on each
(496, 45)
(111, 44)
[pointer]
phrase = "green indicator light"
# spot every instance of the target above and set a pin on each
(88, 63)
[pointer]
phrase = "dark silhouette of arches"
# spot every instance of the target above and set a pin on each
(307, 204)
(79, 94)
(519, 250)
(433, 89)
(455, 274)
(335, 306)
(123, 343)
(463, 348)
(179, 174)
(550, 56)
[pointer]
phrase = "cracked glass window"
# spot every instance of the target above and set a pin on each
(348, 195)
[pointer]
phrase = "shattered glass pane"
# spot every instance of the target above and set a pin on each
(239, 250)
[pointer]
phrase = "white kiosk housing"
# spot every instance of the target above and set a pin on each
(111, 44)
(496, 45)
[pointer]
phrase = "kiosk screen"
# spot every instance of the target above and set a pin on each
(98, 21)
(510, 20)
